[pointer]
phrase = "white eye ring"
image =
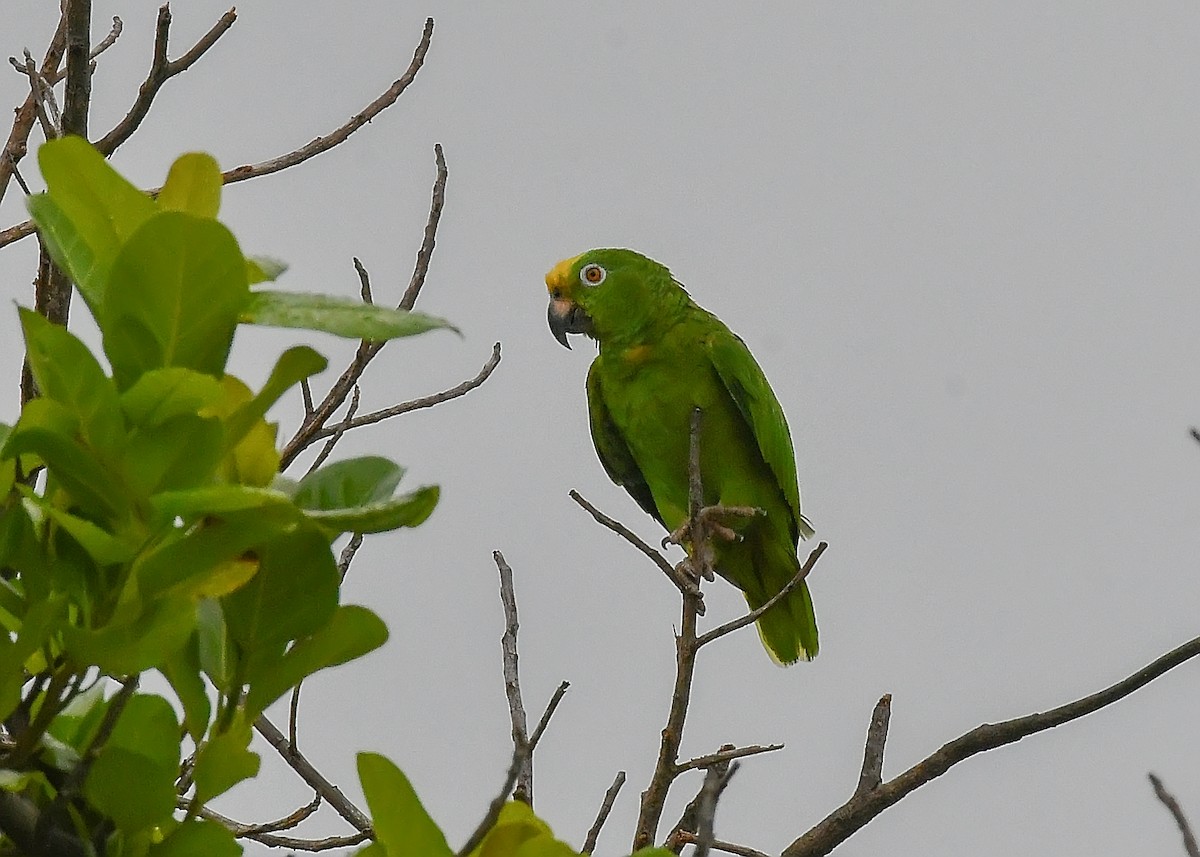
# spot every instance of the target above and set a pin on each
(592, 275)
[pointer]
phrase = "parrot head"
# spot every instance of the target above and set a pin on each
(607, 294)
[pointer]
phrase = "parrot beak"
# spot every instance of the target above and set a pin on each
(567, 317)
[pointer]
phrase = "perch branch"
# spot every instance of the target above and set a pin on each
(512, 682)
(725, 754)
(872, 767)
(844, 821)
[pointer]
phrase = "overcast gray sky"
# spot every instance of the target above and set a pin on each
(961, 239)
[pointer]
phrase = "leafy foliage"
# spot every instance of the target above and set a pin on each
(138, 527)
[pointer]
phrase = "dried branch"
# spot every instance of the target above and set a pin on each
(338, 431)
(551, 707)
(162, 69)
(107, 42)
(44, 106)
(752, 617)
(684, 583)
(327, 790)
(685, 829)
(706, 811)
(429, 238)
(414, 404)
(324, 144)
(860, 809)
(1172, 805)
(688, 838)
(347, 554)
(364, 280)
(512, 681)
(240, 830)
(726, 754)
(315, 418)
(872, 767)
(520, 753)
(610, 797)
(18, 137)
(254, 831)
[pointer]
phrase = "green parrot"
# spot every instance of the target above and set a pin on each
(660, 357)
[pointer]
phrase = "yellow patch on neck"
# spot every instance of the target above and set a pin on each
(560, 274)
(637, 354)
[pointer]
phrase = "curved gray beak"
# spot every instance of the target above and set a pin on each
(567, 317)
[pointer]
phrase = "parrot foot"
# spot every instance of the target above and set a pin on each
(717, 520)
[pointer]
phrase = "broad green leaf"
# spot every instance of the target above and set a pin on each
(196, 563)
(215, 657)
(89, 212)
(182, 670)
(293, 594)
(101, 545)
(339, 316)
(262, 269)
(520, 833)
(349, 483)
(161, 394)
(179, 284)
(217, 500)
(133, 778)
(77, 723)
(67, 372)
(224, 761)
(193, 185)
(254, 460)
(407, 510)
(197, 837)
(401, 823)
(49, 430)
(132, 646)
(179, 453)
(351, 633)
(292, 367)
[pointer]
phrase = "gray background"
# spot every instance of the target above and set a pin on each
(960, 238)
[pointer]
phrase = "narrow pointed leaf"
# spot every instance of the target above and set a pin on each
(401, 823)
(339, 316)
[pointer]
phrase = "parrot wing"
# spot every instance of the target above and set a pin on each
(748, 387)
(614, 453)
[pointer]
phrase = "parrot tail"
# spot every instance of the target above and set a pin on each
(789, 629)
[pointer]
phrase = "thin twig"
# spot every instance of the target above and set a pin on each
(338, 431)
(685, 829)
(292, 819)
(493, 811)
(610, 797)
(306, 396)
(724, 755)
(108, 41)
(429, 239)
(43, 96)
(162, 69)
(414, 404)
(512, 680)
(315, 420)
(752, 616)
(1172, 805)
(872, 767)
(339, 135)
(327, 790)
(18, 137)
(706, 810)
(252, 831)
(688, 838)
(685, 584)
(551, 707)
(294, 718)
(347, 554)
(859, 810)
(364, 280)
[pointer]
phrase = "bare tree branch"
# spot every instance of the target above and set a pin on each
(259, 834)
(610, 797)
(327, 790)
(544, 721)
(684, 831)
(1172, 805)
(872, 767)
(493, 811)
(686, 838)
(162, 69)
(726, 754)
(512, 680)
(429, 239)
(684, 583)
(18, 137)
(339, 135)
(839, 825)
(706, 811)
(338, 431)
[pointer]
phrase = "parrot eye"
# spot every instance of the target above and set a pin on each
(592, 275)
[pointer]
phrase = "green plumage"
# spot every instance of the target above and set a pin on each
(660, 357)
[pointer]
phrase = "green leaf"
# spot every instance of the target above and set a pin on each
(40, 622)
(216, 500)
(401, 823)
(132, 780)
(179, 453)
(101, 545)
(224, 761)
(197, 837)
(339, 316)
(161, 394)
(520, 833)
(67, 372)
(351, 633)
(215, 656)
(406, 510)
(182, 283)
(182, 670)
(130, 646)
(49, 430)
(88, 213)
(349, 483)
(193, 185)
(293, 594)
(292, 367)
(262, 269)
(78, 722)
